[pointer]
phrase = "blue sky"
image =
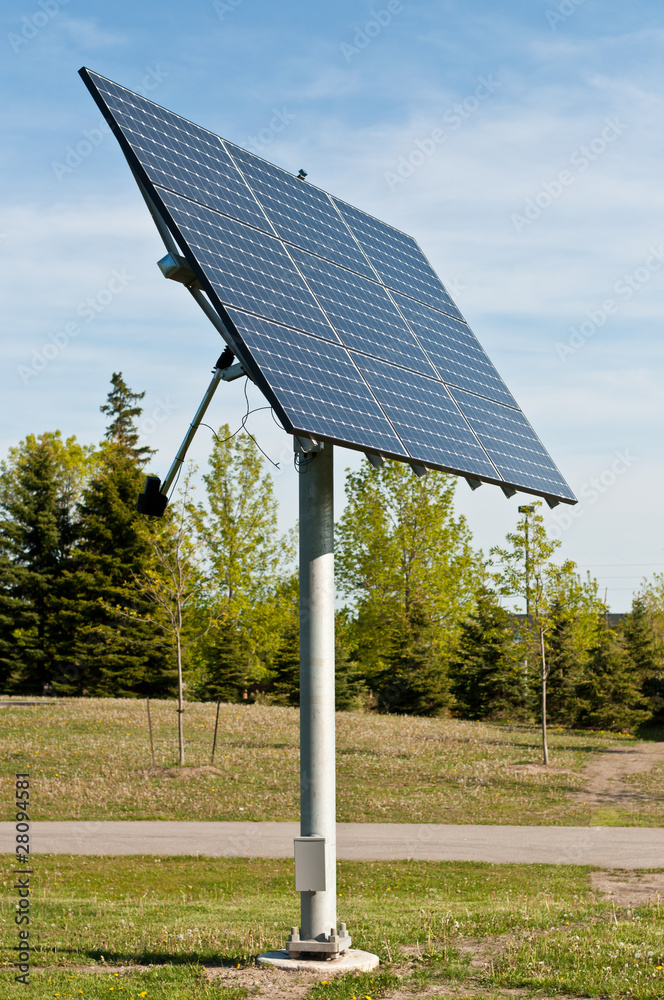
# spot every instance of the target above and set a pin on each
(521, 146)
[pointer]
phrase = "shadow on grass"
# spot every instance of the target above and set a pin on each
(106, 957)
(651, 733)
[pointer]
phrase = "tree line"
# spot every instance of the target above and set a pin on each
(98, 600)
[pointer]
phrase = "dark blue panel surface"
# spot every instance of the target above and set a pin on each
(181, 156)
(318, 385)
(398, 260)
(425, 418)
(454, 350)
(339, 317)
(247, 268)
(362, 313)
(512, 445)
(300, 213)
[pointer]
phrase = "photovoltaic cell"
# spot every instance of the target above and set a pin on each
(340, 318)
(512, 445)
(320, 388)
(362, 313)
(454, 350)
(246, 267)
(181, 156)
(302, 214)
(425, 417)
(398, 260)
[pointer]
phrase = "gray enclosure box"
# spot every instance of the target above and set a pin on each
(310, 864)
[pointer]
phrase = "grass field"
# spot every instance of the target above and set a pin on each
(89, 759)
(183, 926)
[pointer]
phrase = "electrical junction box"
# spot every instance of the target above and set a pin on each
(310, 864)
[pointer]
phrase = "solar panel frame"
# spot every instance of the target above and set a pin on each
(404, 293)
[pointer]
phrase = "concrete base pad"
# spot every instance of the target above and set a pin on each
(351, 961)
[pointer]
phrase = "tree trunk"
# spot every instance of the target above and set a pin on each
(545, 746)
(180, 702)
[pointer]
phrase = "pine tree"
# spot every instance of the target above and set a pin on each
(285, 684)
(123, 412)
(350, 689)
(641, 644)
(486, 673)
(610, 694)
(226, 662)
(566, 669)
(116, 656)
(38, 488)
(413, 680)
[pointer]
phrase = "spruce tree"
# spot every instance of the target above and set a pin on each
(413, 679)
(566, 669)
(641, 644)
(38, 488)
(285, 684)
(610, 694)
(116, 656)
(123, 411)
(226, 655)
(486, 673)
(350, 687)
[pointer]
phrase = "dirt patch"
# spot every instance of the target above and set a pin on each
(552, 768)
(604, 785)
(481, 951)
(179, 772)
(277, 984)
(627, 889)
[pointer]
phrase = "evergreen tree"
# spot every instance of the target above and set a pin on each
(350, 688)
(38, 487)
(285, 684)
(610, 694)
(123, 411)
(413, 680)
(566, 668)
(486, 673)
(640, 641)
(116, 656)
(227, 658)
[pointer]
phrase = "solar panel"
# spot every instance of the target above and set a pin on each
(339, 318)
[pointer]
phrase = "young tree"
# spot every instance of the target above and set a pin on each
(248, 564)
(404, 562)
(175, 586)
(485, 672)
(523, 573)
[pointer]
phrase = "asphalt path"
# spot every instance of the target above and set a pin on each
(604, 846)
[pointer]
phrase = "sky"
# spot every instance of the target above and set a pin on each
(520, 144)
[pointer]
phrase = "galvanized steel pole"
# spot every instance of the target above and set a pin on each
(317, 721)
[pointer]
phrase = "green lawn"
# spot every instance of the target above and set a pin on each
(458, 929)
(89, 759)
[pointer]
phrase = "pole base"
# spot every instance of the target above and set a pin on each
(350, 961)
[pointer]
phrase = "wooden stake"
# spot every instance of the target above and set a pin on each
(150, 728)
(214, 741)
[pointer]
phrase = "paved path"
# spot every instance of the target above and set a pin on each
(605, 846)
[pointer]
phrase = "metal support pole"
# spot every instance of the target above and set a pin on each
(317, 721)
